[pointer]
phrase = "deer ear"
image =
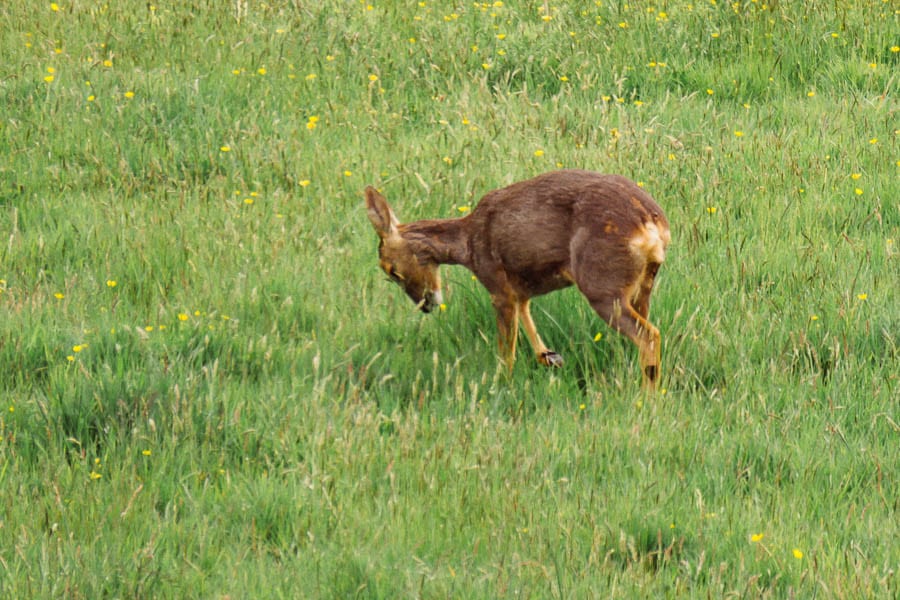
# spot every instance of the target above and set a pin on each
(383, 218)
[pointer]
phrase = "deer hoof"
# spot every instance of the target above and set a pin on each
(551, 359)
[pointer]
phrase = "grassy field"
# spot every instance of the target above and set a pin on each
(208, 389)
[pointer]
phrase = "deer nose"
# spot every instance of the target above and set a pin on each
(431, 300)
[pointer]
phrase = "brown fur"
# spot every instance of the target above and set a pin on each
(602, 233)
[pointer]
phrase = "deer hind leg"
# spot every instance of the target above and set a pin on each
(545, 356)
(624, 318)
(507, 309)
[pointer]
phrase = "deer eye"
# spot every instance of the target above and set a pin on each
(394, 275)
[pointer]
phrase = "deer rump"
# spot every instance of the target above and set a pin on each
(602, 233)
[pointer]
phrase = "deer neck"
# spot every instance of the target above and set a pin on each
(443, 241)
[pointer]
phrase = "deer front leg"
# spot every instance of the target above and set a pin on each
(545, 355)
(507, 310)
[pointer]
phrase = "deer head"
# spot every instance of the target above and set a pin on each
(403, 262)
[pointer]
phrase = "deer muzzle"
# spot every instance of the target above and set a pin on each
(431, 300)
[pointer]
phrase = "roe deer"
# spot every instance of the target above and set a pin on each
(602, 233)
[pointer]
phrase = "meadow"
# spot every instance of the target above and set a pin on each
(208, 389)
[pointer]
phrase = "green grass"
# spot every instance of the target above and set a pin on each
(209, 390)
